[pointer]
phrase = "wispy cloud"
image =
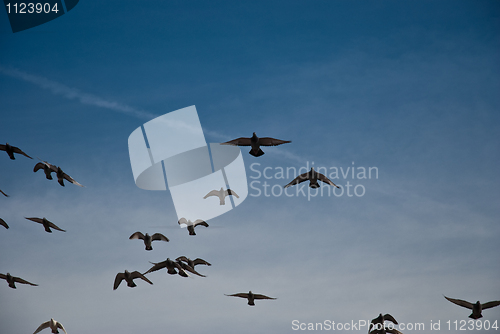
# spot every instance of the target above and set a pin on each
(74, 93)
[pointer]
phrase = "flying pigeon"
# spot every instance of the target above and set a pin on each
(4, 193)
(129, 278)
(377, 325)
(256, 143)
(54, 325)
(190, 225)
(48, 169)
(13, 280)
(250, 296)
(476, 308)
(192, 263)
(3, 223)
(148, 238)
(313, 176)
(221, 194)
(173, 268)
(11, 150)
(46, 224)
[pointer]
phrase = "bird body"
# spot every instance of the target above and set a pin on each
(250, 296)
(377, 325)
(313, 176)
(46, 224)
(476, 308)
(53, 325)
(256, 142)
(221, 194)
(148, 238)
(191, 225)
(129, 278)
(13, 280)
(11, 150)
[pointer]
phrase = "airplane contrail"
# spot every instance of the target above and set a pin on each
(74, 93)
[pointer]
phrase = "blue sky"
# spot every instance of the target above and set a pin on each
(409, 88)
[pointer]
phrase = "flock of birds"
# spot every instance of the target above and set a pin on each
(182, 265)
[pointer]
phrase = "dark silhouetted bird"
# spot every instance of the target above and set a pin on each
(3, 223)
(221, 194)
(192, 263)
(148, 238)
(46, 224)
(173, 268)
(13, 280)
(190, 225)
(250, 296)
(4, 193)
(129, 278)
(377, 325)
(313, 176)
(256, 143)
(11, 150)
(48, 169)
(53, 325)
(476, 308)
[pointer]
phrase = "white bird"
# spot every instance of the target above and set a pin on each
(313, 176)
(11, 150)
(476, 308)
(148, 238)
(256, 143)
(13, 280)
(129, 278)
(221, 194)
(250, 296)
(3, 223)
(54, 325)
(191, 225)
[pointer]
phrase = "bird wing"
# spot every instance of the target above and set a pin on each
(59, 325)
(212, 193)
(136, 274)
(200, 261)
(257, 296)
(18, 150)
(239, 142)
(232, 192)
(118, 279)
(42, 327)
(4, 193)
(241, 295)
(490, 304)
(389, 317)
(3, 147)
(182, 258)
(267, 141)
(191, 269)
(200, 222)
(3, 223)
(460, 302)
(2, 276)
(35, 219)
(323, 178)
(20, 280)
(157, 266)
(298, 179)
(159, 236)
(183, 221)
(137, 235)
(55, 227)
(72, 180)
(38, 166)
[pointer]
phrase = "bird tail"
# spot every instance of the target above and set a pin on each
(258, 153)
